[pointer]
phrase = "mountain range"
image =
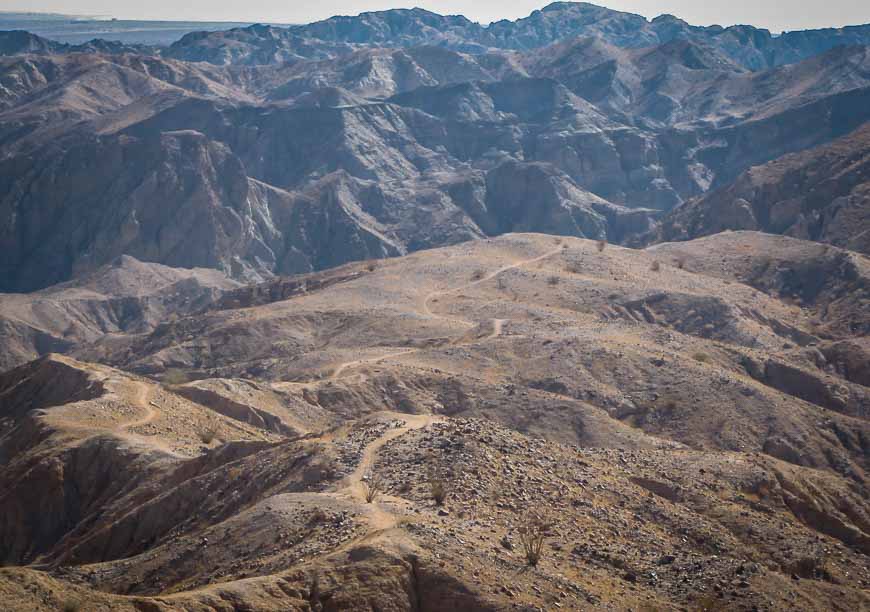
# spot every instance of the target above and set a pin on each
(402, 312)
(263, 150)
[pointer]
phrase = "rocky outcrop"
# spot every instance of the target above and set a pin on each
(125, 296)
(662, 489)
(820, 194)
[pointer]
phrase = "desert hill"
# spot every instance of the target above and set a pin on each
(122, 297)
(698, 425)
(270, 524)
(591, 338)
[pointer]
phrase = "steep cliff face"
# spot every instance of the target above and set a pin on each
(180, 199)
(822, 194)
(373, 136)
(124, 296)
(177, 198)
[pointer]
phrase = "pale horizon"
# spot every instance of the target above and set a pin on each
(771, 15)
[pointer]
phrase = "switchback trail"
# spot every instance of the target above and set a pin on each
(480, 281)
(143, 399)
(380, 519)
(498, 324)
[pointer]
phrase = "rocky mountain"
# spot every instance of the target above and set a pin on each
(747, 46)
(369, 152)
(822, 194)
(17, 42)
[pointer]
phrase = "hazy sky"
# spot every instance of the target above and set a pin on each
(773, 14)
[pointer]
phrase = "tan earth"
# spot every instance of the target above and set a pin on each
(687, 423)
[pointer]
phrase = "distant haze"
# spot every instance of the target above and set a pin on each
(776, 15)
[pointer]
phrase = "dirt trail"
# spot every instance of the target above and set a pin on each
(480, 281)
(379, 518)
(498, 324)
(143, 399)
(352, 364)
(497, 328)
(381, 523)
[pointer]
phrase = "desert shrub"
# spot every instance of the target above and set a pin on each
(478, 275)
(701, 357)
(601, 245)
(314, 592)
(318, 517)
(439, 485)
(175, 376)
(710, 603)
(573, 267)
(373, 485)
(553, 281)
(656, 266)
(533, 533)
(207, 434)
(438, 489)
(372, 266)
(813, 567)
(72, 606)
(680, 263)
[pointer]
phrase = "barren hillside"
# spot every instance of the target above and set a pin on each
(695, 426)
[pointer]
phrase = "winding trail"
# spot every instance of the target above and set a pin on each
(380, 522)
(143, 398)
(498, 324)
(152, 413)
(352, 364)
(480, 281)
(379, 519)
